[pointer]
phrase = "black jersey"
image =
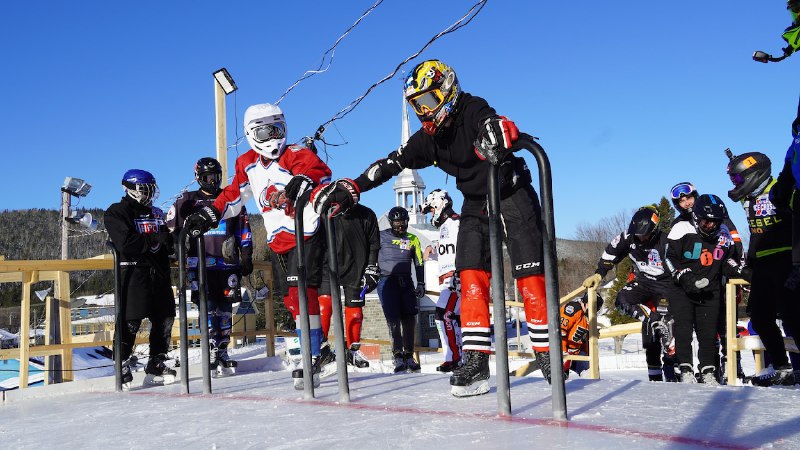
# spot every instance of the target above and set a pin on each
(770, 225)
(357, 243)
(648, 259)
(454, 152)
(237, 227)
(146, 288)
(686, 250)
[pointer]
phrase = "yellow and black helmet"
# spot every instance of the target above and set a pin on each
(432, 90)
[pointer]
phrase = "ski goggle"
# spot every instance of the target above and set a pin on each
(681, 190)
(264, 133)
(426, 102)
(210, 178)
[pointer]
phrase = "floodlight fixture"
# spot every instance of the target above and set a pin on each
(85, 220)
(225, 80)
(76, 187)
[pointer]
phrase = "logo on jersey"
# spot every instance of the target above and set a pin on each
(446, 249)
(763, 207)
(404, 244)
(264, 196)
(653, 258)
(147, 225)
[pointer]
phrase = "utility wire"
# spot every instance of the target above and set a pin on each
(331, 51)
(463, 21)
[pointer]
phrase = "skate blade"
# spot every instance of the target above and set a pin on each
(477, 388)
(158, 380)
(328, 370)
(126, 386)
(222, 372)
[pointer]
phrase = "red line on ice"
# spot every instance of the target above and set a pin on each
(514, 419)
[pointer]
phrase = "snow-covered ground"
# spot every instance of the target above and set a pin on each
(258, 408)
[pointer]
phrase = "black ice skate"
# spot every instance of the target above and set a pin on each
(157, 371)
(399, 362)
(448, 366)
(411, 364)
(223, 365)
(127, 376)
(473, 377)
(323, 366)
(544, 364)
(780, 376)
(708, 375)
(355, 357)
(297, 374)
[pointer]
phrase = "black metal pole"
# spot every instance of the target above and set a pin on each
(305, 327)
(118, 320)
(202, 317)
(498, 297)
(551, 273)
(183, 323)
(336, 310)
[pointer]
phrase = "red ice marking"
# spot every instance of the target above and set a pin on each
(524, 420)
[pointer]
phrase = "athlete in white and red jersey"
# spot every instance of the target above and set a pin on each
(448, 307)
(275, 176)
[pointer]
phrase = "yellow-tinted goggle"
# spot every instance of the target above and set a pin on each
(426, 102)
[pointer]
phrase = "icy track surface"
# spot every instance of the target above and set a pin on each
(258, 408)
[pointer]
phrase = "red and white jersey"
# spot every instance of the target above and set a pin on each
(446, 247)
(258, 177)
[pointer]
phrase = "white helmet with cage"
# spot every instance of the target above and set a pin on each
(439, 204)
(265, 128)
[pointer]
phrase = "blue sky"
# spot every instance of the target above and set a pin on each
(627, 97)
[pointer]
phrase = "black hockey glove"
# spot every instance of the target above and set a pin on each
(690, 283)
(369, 280)
(201, 221)
(419, 292)
(298, 186)
(246, 261)
(161, 239)
(495, 137)
(339, 196)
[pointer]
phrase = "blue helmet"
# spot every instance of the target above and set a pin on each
(140, 185)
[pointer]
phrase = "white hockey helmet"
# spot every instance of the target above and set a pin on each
(265, 129)
(439, 204)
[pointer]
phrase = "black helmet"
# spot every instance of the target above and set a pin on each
(644, 224)
(398, 220)
(208, 173)
(749, 173)
(708, 213)
(680, 190)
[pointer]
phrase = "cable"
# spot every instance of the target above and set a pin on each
(473, 11)
(332, 50)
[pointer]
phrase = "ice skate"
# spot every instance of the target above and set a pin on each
(355, 357)
(447, 366)
(225, 366)
(158, 374)
(708, 376)
(544, 363)
(473, 377)
(411, 364)
(780, 376)
(327, 361)
(399, 362)
(297, 374)
(687, 374)
(127, 376)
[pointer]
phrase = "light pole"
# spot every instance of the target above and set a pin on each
(223, 85)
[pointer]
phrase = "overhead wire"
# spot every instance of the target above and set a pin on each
(463, 21)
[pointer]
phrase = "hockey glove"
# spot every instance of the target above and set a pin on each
(593, 281)
(201, 221)
(690, 283)
(336, 197)
(419, 292)
(298, 186)
(161, 239)
(246, 261)
(495, 137)
(369, 281)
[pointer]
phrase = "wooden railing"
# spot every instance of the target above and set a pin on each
(29, 272)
